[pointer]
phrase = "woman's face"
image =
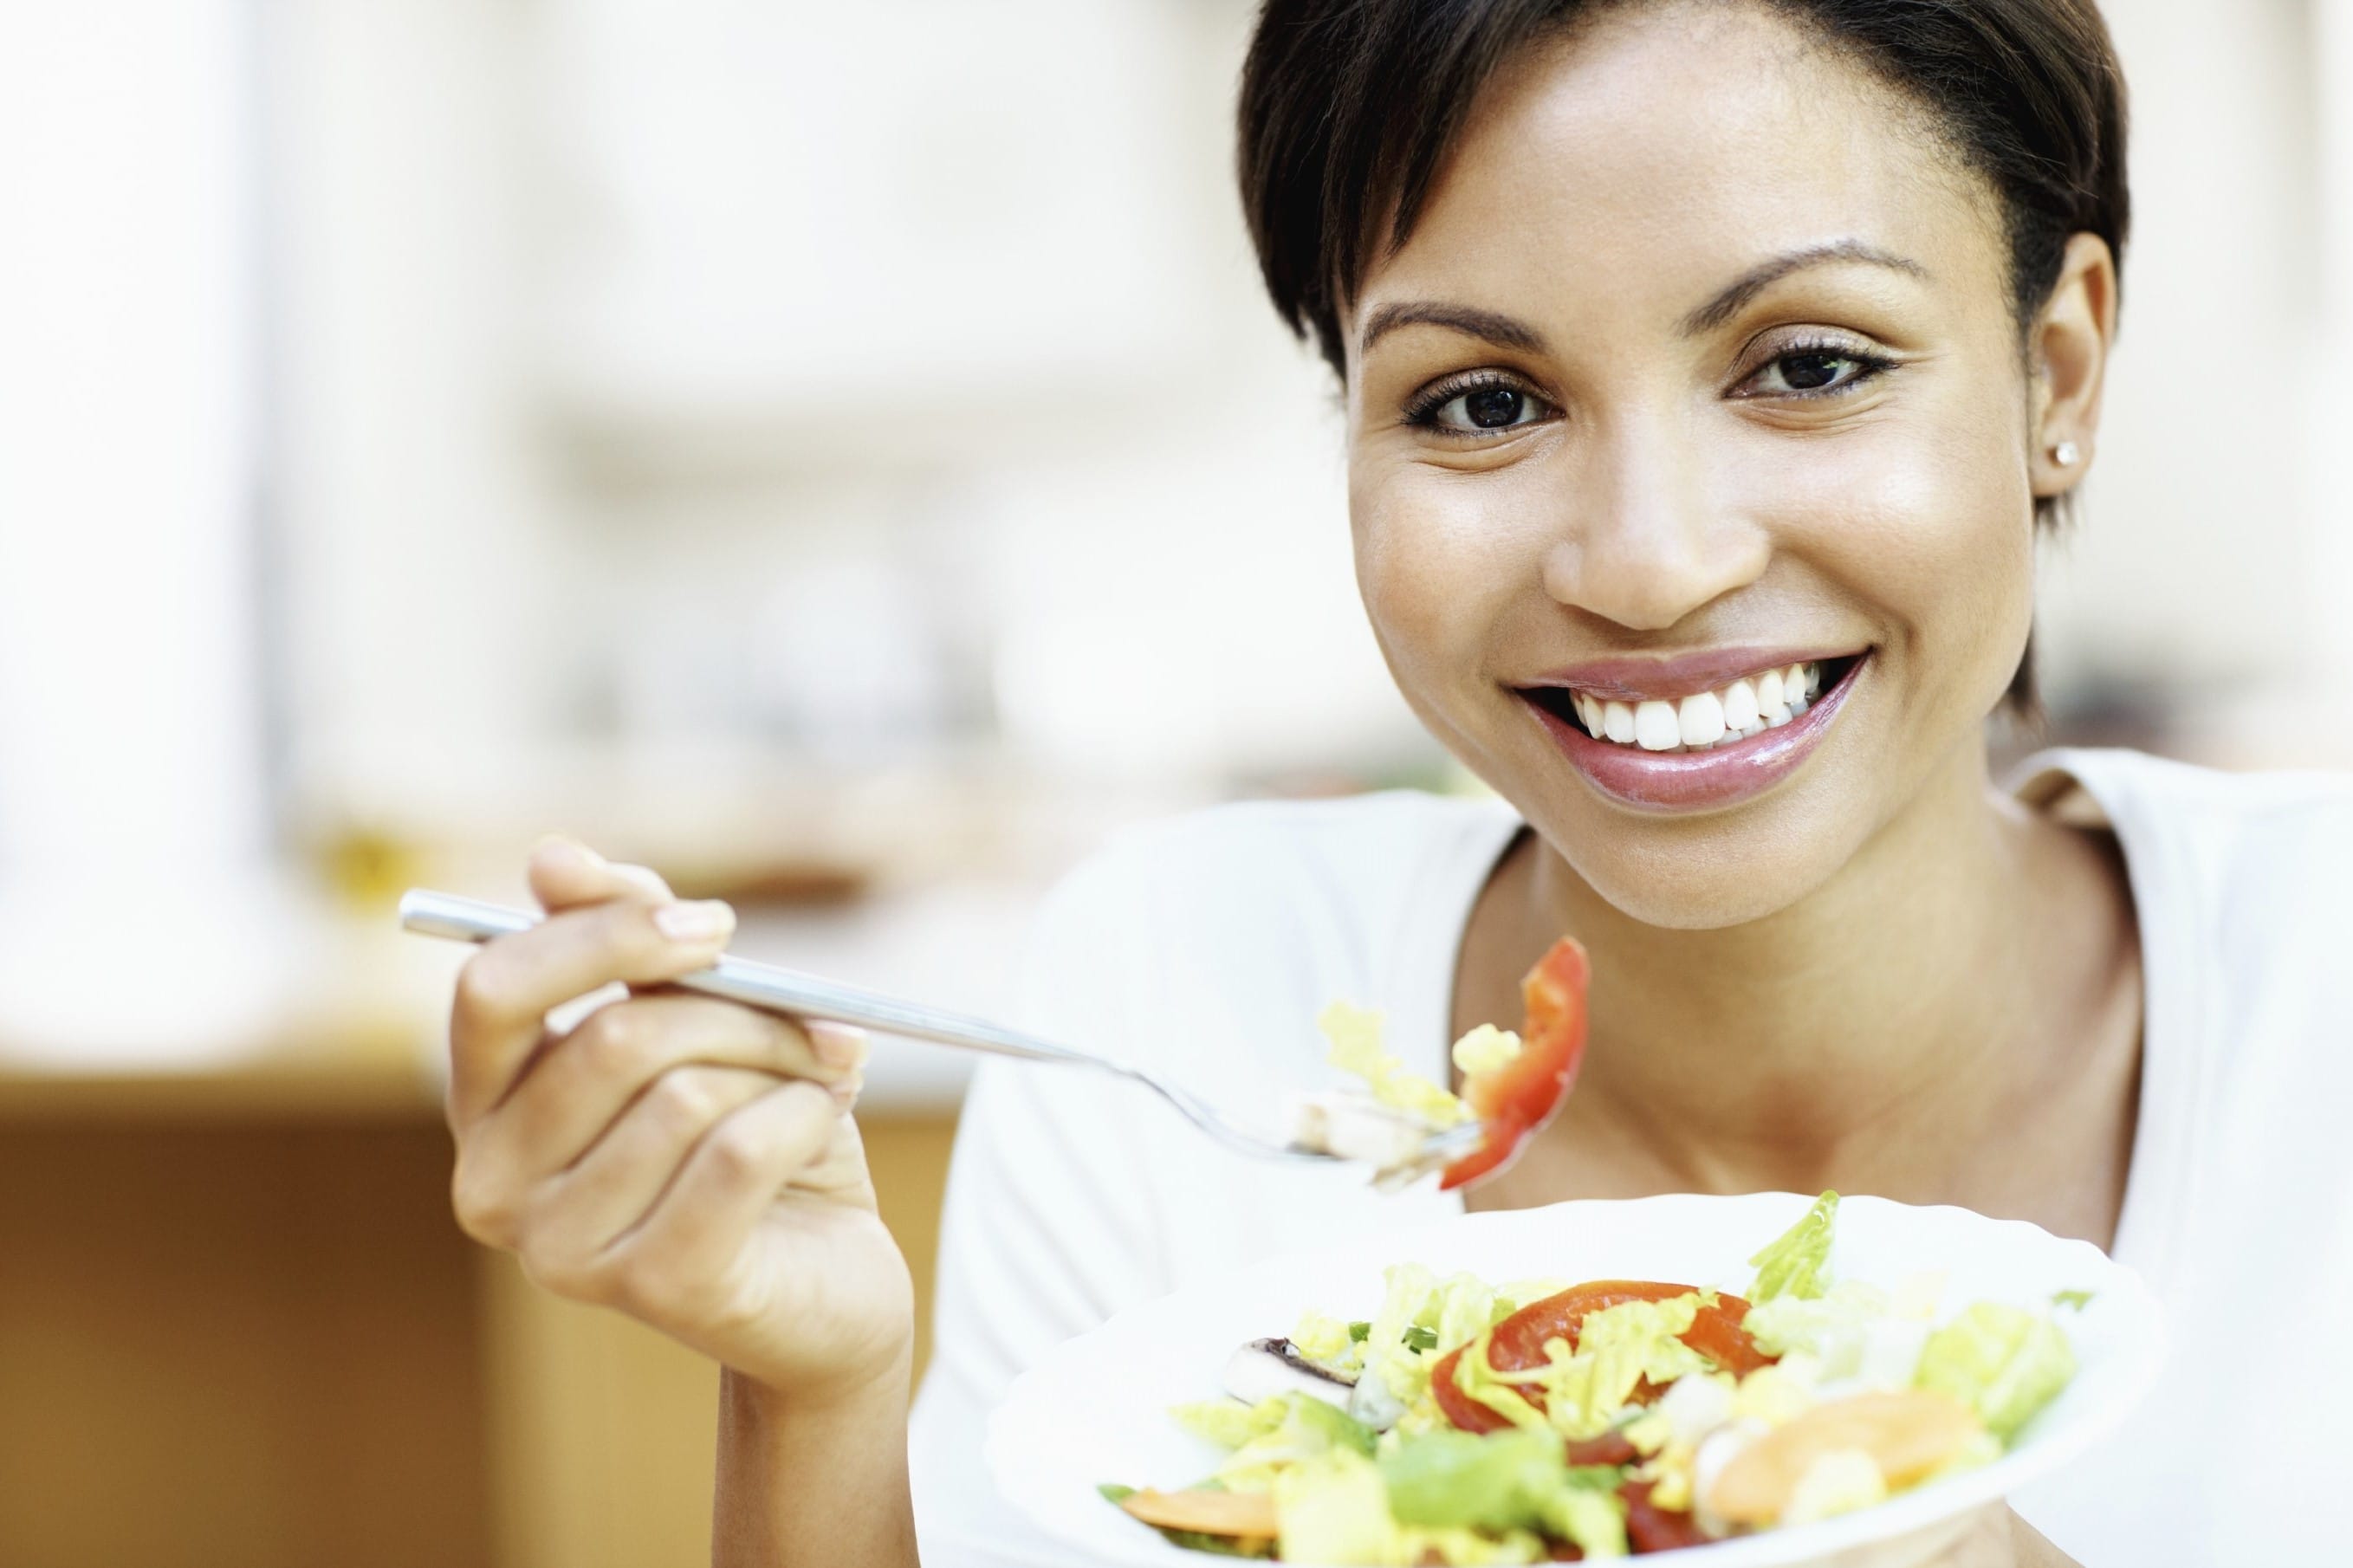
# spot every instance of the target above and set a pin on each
(1699, 365)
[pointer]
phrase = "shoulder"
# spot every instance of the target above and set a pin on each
(2257, 846)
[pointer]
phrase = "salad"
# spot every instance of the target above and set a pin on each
(1466, 1423)
(1512, 1084)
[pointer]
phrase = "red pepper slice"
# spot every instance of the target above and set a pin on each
(1517, 1098)
(1518, 1342)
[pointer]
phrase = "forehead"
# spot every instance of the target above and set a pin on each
(1655, 148)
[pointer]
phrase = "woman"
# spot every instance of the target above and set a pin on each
(1708, 367)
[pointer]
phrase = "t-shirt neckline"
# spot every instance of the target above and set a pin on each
(2156, 1196)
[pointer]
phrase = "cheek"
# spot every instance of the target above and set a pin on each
(1929, 521)
(1436, 567)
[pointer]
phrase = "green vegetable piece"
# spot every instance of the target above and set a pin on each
(1418, 1338)
(1360, 1330)
(1500, 1481)
(2003, 1362)
(1292, 1427)
(1334, 1509)
(1792, 1263)
(2079, 1299)
(1595, 1522)
(1228, 1423)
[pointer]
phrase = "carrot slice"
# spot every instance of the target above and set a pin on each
(1207, 1513)
(1907, 1433)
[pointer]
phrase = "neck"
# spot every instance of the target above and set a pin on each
(1861, 1030)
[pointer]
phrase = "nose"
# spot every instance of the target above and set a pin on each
(1646, 539)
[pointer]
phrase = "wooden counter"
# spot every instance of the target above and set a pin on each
(239, 1325)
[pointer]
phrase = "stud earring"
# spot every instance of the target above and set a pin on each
(2065, 453)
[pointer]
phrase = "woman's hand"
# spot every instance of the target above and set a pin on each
(1991, 1537)
(687, 1160)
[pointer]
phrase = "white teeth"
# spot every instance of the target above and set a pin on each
(1700, 719)
(1706, 720)
(1655, 728)
(1739, 705)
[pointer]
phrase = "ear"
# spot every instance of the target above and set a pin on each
(2069, 350)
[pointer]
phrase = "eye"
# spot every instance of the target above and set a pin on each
(1481, 408)
(1813, 373)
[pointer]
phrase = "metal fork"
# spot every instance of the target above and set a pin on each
(798, 996)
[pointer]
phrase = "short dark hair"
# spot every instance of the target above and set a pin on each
(1349, 107)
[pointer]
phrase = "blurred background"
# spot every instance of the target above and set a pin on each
(838, 454)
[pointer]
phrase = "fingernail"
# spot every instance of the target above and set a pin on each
(844, 1093)
(705, 920)
(837, 1045)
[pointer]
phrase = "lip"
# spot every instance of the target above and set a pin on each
(1701, 781)
(1626, 679)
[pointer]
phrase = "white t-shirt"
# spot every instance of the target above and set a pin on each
(1208, 944)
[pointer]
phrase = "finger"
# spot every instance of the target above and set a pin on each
(579, 1084)
(505, 989)
(568, 1221)
(703, 1221)
(566, 873)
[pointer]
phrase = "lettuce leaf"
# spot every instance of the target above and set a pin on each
(1290, 1428)
(1228, 1423)
(1594, 1519)
(1355, 1034)
(1335, 1509)
(1495, 1482)
(1852, 1332)
(2004, 1362)
(1502, 1480)
(1792, 1263)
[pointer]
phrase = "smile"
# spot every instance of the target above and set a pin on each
(1679, 735)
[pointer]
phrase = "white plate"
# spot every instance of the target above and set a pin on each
(1095, 1409)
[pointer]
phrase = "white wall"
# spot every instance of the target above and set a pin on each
(627, 347)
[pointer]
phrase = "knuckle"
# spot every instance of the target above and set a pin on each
(613, 1039)
(683, 1100)
(483, 988)
(736, 1152)
(557, 1267)
(645, 1291)
(484, 1210)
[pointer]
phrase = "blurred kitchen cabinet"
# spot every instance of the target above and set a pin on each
(238, 1326)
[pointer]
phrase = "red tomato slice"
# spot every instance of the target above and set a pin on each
(1525, 1092)
(1518, 1342)
(1650, 1528)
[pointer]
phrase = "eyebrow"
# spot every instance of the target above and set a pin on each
(1509, 331)
(1763, 274)
(1505, 332)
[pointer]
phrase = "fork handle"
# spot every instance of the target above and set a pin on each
(767, 987)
